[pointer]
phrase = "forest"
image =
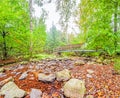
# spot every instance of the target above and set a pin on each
(60, 48)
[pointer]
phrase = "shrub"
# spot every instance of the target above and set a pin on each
(117, 65)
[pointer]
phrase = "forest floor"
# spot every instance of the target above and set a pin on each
(101, 83)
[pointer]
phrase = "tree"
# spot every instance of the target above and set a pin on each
(39, 36)
(31, 26)
(95, 22)
(66, 8)
(53, 39)
(11, 14)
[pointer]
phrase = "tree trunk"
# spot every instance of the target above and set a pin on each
(115, 22)
(4, 45)
(31, 28)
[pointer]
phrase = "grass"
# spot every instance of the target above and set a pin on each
(43, 56)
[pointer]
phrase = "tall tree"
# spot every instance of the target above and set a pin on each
(66, 9)
(53, 39)
(11, 14)
(31, 25)
(115, 21)
(95, 21)
(39, 36)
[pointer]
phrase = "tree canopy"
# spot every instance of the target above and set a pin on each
(98, 22)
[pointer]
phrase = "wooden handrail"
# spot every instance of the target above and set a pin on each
(68, 47)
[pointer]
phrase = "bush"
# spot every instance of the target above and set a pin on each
(117, 65)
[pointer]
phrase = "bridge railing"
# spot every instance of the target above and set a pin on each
(68, 47)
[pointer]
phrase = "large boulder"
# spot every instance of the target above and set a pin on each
(63, 75)
(11, 90)
(46, 78)
(35, 93)
(74, 88)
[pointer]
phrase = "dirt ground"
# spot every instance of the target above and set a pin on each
(101, 83)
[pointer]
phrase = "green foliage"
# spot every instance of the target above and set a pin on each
(15, 36)
(96, 22)
(53, 39)
(42, 56)
(80, 38)
(102, 40)
(117, 65)
(12, 25)
(39, 37)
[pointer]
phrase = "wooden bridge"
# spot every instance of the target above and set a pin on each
(71, 48)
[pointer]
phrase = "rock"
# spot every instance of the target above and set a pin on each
(91, 62)
(106, 61)
(79, 63)
(20, 67)
(35, 93)
(51, 63)
(7, 69)
(89, 96)
(11, 90)
(60, 96)
(89, 76)
(46, 78)
(17, 73)
(2, 70)
(74, 88)
(23, 76)
(99, 60)
(63, 75)
(5, 81)
(2, 75)
(90, 71)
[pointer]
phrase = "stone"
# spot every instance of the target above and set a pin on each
(89, 76)
(2, 70)
(7, 69)
(11, 90)
(74, 88)
(46, 78)
(23, 76)
(91, 63)
(17, 73)
(90, 71)
(89, 96)
(99, 60)
(106, 61)
(79, 63)
(2, 75)
(35, 93)
(5, 81)
(63, 75)
(20, 67)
